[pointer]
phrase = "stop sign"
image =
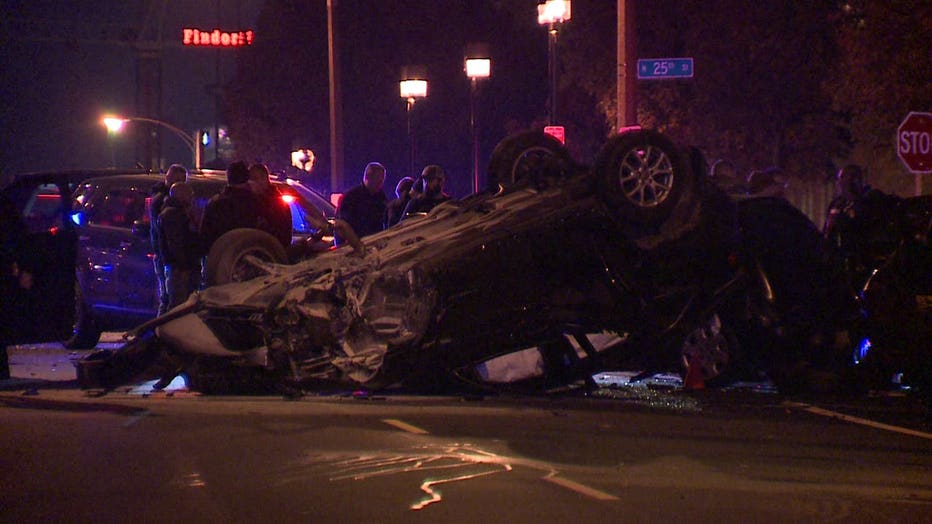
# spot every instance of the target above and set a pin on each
(914, 142)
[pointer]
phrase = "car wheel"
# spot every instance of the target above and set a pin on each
(231, 256)
(714, 348)
(532, 155)
(86, 334)
(644, 177)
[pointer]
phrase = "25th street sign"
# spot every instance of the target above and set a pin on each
(660, 68)
(914, 142)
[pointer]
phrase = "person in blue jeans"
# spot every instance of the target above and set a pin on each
(180, 244)
(176, 173)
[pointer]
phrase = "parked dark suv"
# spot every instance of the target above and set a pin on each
(116, 286)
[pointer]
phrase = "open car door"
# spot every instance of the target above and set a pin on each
(37, 260)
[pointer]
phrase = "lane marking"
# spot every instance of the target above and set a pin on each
(858, 420)
(579, 488)
(404, 426)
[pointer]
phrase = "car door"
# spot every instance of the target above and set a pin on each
(39, 247)
(119, 274)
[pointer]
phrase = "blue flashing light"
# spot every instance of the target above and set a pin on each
(862, 350)
(79, 218)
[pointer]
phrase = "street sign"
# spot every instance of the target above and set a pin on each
(557, 132)
(914, 142)
(660, 68)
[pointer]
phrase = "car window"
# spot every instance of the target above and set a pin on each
(303, 204)
(117, 207)
(42, 211)
(310, 196)
(299, 220)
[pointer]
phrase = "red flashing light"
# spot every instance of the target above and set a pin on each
(216, 38)
(288, 199)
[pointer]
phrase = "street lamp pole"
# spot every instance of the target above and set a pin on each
(114, 124)
(336, 99)
(478, 66)
(473, 97)
(552, 68)
(413, 86)
(550, 14)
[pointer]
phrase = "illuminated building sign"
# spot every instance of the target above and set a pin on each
(216, 38)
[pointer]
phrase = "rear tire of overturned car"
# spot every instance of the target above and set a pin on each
(531, 154)
(229, 257)
(645, 178)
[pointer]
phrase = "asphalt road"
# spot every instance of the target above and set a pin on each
(620, 455)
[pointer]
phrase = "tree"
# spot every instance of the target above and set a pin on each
(756, 97)
(278, 100)
(883, 74)
(280, 96)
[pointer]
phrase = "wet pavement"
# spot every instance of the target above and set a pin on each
(48, 371)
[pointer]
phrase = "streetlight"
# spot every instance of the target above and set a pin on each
(478, 66)
(551, 13)
(114, 124)
(413, 85)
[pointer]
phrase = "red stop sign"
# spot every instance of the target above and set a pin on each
(914, 142)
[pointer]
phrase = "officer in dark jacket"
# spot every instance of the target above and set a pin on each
(176, 173)
(274, 213)
(180, 244)
(363, 206)
(396, 206)
(431, 180)
(233, 208)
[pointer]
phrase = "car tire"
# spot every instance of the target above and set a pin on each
(529, 155)
(715, 349)
(86, 334)
(227, 261)
(649, 184)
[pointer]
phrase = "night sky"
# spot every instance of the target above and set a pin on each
(65, 64)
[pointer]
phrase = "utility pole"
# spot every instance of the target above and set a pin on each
(626, 80)
(336, 101)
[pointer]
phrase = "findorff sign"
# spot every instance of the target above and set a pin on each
(216, 38)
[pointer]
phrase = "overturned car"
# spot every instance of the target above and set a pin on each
(563, 268)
